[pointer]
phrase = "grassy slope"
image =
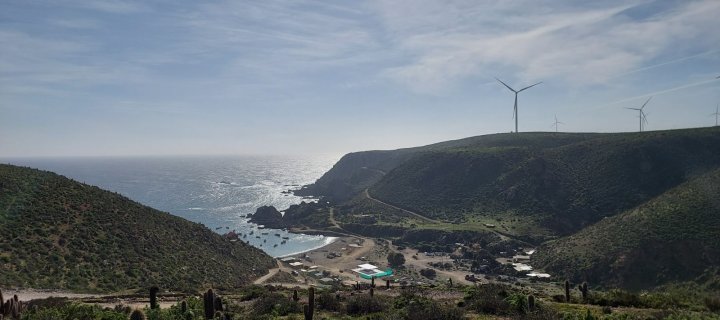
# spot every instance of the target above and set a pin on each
(671, 237)
(559, 182)
(359, 170)
(58, 233)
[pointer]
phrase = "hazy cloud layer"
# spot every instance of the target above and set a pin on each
(276, 76)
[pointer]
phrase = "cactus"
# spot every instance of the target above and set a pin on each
(209, 304)
(306, 312)
(12, 308)
(183, 307)
(372, 292)
(218, 304)
(309, 309)
(137, 315)
(583, 291)
(531, 302)
(9, 307)
(295, 296)
(567, 291)
(16, 308)
(387, 284)
(450, 281)
(153, 297)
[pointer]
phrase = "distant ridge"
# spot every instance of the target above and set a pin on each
(57, 233)
(554, 183)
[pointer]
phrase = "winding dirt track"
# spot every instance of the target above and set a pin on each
(417, 215)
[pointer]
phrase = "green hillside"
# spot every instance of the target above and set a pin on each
(359, 170)
(673, 237)
(551, 184)
(59, 233)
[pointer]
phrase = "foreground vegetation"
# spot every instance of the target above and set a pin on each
(56, 233)
(490, 301)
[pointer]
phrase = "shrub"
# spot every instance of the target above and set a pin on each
(328, 301)
(488, 298)
(364, 304)
(276, 304)
(396, 259)
(712, 303)
(432, 310)
(428, 273)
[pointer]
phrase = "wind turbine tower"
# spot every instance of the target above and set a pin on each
(716, 114)
(642, 115)
(515, 107)
(556, 123)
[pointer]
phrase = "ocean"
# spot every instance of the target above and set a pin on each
(217, 191)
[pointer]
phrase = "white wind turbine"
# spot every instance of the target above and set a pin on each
(642, 115)
(515, 107)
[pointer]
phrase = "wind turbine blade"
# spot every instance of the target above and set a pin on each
(528, 87)
(632, 108)
(506, 86)
(646, 102)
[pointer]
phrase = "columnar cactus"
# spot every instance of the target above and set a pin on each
(450, 281)
(183, 306)
(309, 309)
(584, 290)
(153, 298)
(209, 304)
(531, 302)
(295, 296)
(137, 315)
(218, 304)
(567, 291)
(387, 284)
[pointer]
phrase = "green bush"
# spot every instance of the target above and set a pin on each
(488, 298)
(275, 304)
(364, 304)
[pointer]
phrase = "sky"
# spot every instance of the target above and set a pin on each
(167, 77)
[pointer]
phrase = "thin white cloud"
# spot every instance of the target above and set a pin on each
(76, 23)
(658, 92)
(110, 6)
(572, 45)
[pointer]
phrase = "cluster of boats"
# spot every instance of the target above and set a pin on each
(236, 236)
